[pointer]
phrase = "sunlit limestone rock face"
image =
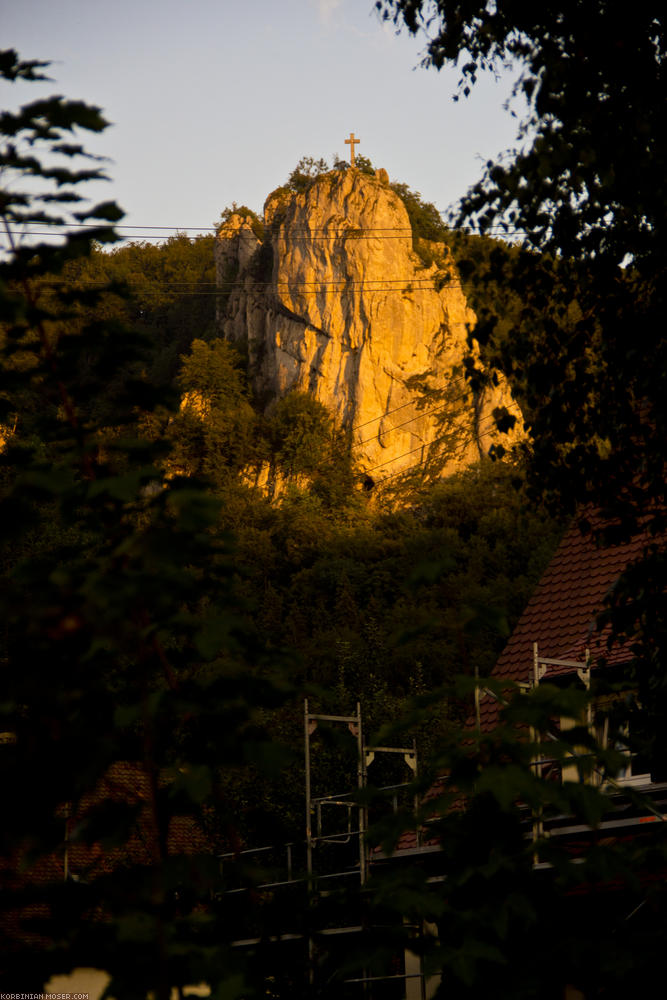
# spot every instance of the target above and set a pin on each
(337, 303)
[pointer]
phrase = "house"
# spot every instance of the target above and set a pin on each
(38, 911)
(611, 922)
(556, 641)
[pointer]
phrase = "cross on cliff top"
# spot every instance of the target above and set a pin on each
(352, 142)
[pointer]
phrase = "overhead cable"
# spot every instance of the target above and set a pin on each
(406, 285)
(47, 228)
(485, 420)
(417, 416)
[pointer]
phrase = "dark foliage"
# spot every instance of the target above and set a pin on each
(132, 674)
(584, 346)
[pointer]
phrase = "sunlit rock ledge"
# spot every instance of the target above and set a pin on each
(336, 302)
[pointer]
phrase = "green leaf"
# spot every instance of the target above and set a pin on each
(195, 780)
(231, 988)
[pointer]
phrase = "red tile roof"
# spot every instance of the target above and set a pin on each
(561, 617)
(124, 782)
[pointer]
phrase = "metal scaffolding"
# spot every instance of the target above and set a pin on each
(352, 804)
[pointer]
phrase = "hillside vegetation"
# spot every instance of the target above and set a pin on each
(372, 604)
(181, 565)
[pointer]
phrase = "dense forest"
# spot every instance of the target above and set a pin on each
(370, 602)
(165, 611)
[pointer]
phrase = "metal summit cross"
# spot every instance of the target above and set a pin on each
(352, 142)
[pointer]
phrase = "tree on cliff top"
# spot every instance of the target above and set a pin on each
(425, 219)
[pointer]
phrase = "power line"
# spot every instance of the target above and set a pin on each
(399, 457)
(438, 440)
(352, 232)
(382, 416)
(417, 416)
(410, 402)
(194, 287)
(197, 283)
(340, 283)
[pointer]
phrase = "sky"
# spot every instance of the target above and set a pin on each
(215, 101)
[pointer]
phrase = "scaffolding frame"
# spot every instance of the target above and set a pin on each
(315, 805)
(353, 724)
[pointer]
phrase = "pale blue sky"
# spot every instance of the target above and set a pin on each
(214, 101)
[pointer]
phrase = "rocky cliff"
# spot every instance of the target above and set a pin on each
(336, 302)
